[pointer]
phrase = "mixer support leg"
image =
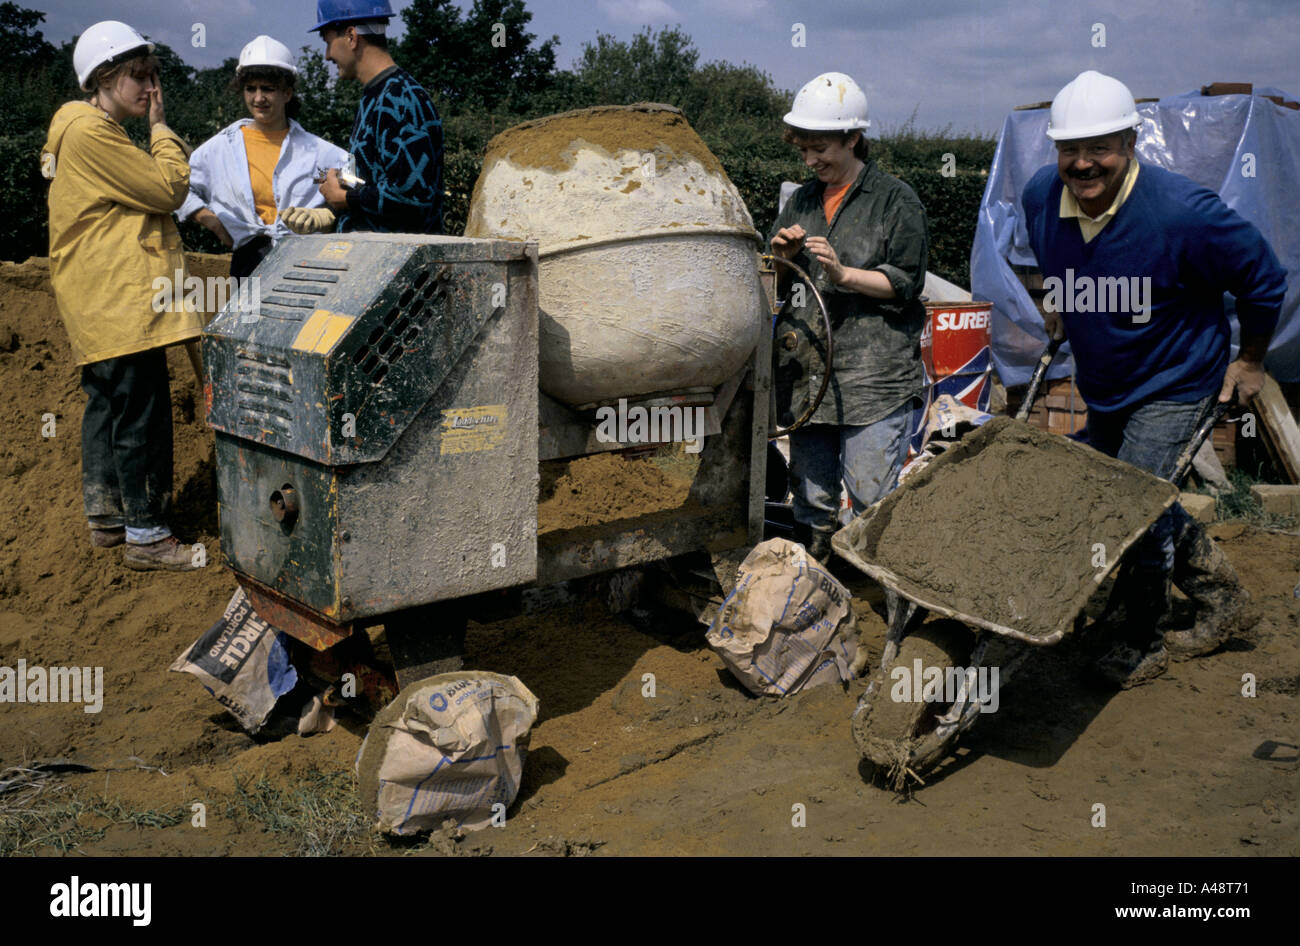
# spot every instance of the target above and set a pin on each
(426, 640)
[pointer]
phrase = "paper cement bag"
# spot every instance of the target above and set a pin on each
(946, 422)
(787, 625)
(449, 746)
(243, 662)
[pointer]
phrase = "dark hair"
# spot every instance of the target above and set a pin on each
(800, 136)
(377, 40)
(280, 78)
(133, 60)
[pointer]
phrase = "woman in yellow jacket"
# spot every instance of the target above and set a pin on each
(111, 239)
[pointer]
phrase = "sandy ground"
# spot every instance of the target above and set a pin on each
(1187, 765)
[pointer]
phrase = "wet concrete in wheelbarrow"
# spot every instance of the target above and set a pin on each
(1015, 525)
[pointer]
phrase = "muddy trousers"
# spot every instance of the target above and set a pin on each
(126, 445)
(1176, 548)
(866, 458)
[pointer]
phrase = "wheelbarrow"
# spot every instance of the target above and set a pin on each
(906, 729)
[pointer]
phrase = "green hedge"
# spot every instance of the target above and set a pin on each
(952, 209)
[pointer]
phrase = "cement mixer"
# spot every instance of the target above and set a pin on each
(381, 418)
(647, 281)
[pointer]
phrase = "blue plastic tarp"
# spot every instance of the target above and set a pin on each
(1217, 141)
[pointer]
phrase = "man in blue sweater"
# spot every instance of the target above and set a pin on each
(1135, 261)
(397, 136)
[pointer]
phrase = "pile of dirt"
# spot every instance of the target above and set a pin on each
(65, 604)
(40, 463)
(1019, 531)
(604, 488)
(551, 143)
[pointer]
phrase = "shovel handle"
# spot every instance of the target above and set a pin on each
(1184, 463)
(1036, 381)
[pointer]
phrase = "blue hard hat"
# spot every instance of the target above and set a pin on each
(332, 12)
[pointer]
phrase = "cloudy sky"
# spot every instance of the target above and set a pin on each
(962, 63)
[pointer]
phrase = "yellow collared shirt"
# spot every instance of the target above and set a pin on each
(1091, 226)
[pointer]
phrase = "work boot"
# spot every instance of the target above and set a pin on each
(1139, 655)
(820, 548)
(107, 538)
(1125, 666)
(1202, 572)
(166, 554)
(817, 542)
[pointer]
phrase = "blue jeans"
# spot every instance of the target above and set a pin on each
(1150, 438)
(867, 458)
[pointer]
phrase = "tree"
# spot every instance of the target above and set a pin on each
(485, 60)
(35, 79)
(654, 67)
(329, 107)
(24, 45)
(171, 68)
(721, 94)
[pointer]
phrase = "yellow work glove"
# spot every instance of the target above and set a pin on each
(308, 219)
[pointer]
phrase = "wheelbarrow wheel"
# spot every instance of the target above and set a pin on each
(898, 735)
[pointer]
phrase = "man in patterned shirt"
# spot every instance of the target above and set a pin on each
(397, 136)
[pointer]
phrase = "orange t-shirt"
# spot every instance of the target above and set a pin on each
(263, 151)
(832, 198)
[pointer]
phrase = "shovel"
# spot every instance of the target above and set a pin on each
(1036, 380)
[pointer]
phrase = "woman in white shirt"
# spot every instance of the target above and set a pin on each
(245, 175)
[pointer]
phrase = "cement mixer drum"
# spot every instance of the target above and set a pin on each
(648, 278)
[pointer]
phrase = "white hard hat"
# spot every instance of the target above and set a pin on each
(106, 40)
(831, 102)
(1092, 105)
(265, 51)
